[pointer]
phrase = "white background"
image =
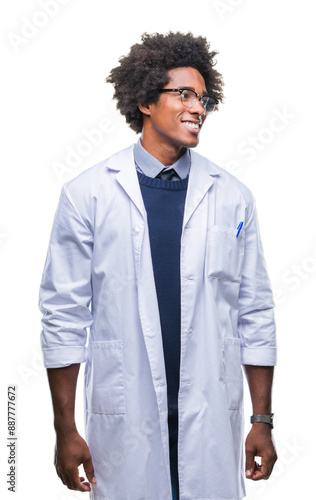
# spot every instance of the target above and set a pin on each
(53, 93)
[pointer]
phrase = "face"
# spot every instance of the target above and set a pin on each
(168, 122)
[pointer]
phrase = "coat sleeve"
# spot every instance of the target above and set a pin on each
(65, 290)
(256, 325)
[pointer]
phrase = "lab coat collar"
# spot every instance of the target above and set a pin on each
(123, 162)
(201, 178)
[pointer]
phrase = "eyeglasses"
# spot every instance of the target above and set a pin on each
(189, 97)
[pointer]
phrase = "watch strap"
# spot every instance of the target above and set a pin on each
(266, 419)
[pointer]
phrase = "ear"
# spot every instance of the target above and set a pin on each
(145, 109)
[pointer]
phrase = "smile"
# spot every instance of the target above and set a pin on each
(195, 127)
(192, 125)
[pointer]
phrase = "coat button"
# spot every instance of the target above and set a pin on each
(135, 230)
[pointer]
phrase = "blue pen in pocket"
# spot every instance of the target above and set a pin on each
(239, 228)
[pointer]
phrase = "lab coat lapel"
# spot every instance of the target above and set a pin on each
(124, 163)
(201, 179)
(147, 298)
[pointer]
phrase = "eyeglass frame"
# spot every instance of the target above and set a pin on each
(197, 96)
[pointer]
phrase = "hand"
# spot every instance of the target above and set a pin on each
(259, 443)
(70, 452)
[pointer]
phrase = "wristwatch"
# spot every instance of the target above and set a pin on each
(266, 419)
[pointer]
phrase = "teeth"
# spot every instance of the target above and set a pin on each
(192, 125)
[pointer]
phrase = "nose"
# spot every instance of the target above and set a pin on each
(197, 108)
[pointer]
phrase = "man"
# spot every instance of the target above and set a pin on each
(165, 248)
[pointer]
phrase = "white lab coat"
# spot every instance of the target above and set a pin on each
(99, 254)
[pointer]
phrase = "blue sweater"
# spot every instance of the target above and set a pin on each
(164, 202)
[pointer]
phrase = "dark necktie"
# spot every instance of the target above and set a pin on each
(168, 176)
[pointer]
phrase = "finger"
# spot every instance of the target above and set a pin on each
(59, 474)
(73, 481)
(79, 485)
(89, 470)
(83, 481)
(250, 464)
(268, 462)
(257, 472)
(264, 470)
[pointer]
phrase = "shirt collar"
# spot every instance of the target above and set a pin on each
(150, 166)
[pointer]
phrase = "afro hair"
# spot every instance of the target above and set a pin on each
(144, 71)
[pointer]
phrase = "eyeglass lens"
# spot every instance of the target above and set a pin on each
(189, 99)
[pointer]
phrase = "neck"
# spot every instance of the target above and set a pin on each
(167, 154)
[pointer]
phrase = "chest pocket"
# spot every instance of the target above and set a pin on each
(225, 253)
